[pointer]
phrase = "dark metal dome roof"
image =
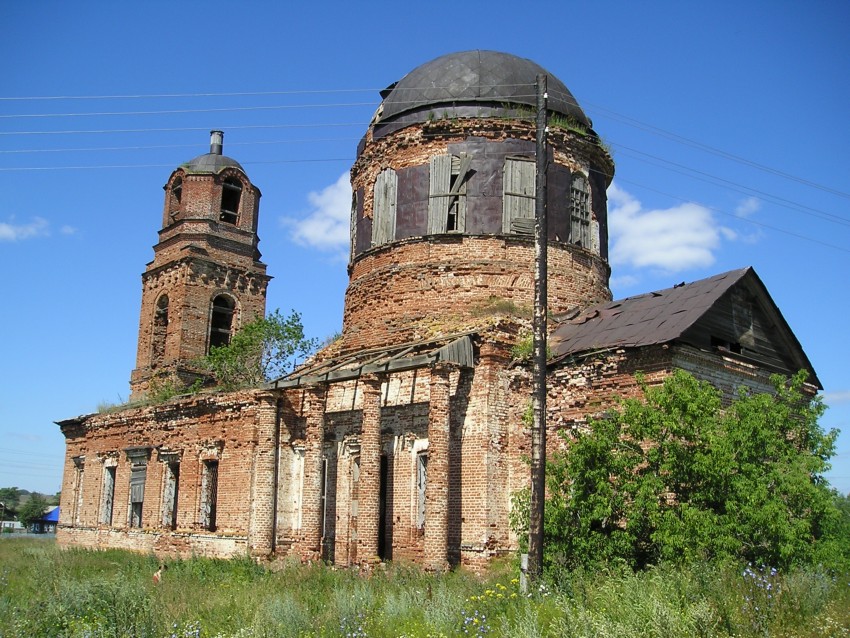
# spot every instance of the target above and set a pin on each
(477, 76)
(214, 161)
(210, 163)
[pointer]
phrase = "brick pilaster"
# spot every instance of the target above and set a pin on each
(261, 529)
(311, 516)
(368, 518)
(437, 485)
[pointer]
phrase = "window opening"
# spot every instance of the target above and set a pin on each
(421, 479)
(177, 189)
(108, 495)
(353, 224)
(447, 197)
(209, 491)
(728, 346)
(518, 190)
(384, 207)
(324, 497)
(169, 497)
(138, 475)
(580, 212)
(221, 322)
(231, 194)
(382, 508)
(79, 465)
(160, 329)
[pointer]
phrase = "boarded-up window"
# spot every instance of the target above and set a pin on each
(138, 475)
(231, 194)
(518, 188)
(447, 194)
(221, 321)
(421, 480)
(384, 207)
(107, 495)
(580, 212)
(209, 495)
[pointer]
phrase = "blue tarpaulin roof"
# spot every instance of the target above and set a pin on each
(52, 516)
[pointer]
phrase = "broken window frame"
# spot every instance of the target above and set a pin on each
(421, 486)
(384, 203)
(518, 195)
(159, 331)
(222, 314)
(79, 468)
(209, 494)
(449, 175)
(231, 200)
(580, 215)
(170, 493)
(138, 477)
(107, 504)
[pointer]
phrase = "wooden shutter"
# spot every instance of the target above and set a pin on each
(384, 207)
(580, 212)
(137, 483)
(438, 202)
(518, 195)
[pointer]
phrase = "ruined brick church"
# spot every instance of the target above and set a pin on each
(403, 439)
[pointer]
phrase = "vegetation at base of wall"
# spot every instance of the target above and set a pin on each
(676, 476)
(47, 592)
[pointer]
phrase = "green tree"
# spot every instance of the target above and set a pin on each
(677, 476)
(261, 350)
(32, 510)
(10, 497)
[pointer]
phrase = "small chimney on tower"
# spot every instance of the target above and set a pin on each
(216, 142)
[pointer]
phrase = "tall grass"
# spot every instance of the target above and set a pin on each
(78, 593)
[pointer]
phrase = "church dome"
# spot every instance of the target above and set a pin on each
(476, 77)
(214, 161)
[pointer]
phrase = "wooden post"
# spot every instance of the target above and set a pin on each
(538, 431)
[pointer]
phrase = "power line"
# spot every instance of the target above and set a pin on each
(277, 107)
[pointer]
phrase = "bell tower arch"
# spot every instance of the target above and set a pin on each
(206, 278)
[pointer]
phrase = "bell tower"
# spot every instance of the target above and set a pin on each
(206, 278)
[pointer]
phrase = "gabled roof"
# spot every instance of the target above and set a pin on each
(695, 314)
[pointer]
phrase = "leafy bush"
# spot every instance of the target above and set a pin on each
(677, 477)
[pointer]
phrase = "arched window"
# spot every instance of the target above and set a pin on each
(221, 321)
(160, 329)
(231, 193)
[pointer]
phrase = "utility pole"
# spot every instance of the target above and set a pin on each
(538, 430)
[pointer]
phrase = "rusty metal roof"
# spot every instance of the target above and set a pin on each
(670, 315)
(455, 348)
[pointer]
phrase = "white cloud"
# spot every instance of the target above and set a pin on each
(10, 231)
(67, 230)
(670, 239)
(748, 206)
(326, 225)
(836, 398)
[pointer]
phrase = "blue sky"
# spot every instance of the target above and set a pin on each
(727, 122)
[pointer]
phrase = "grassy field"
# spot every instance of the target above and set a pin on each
(78, 593)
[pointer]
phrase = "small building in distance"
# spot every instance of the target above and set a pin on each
(404, 439)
